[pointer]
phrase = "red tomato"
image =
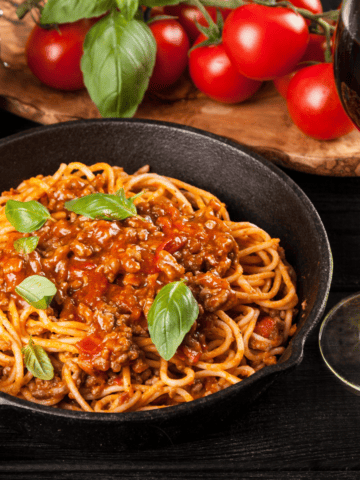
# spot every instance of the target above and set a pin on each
(156, 11)
(282, 83)
(265, 42)
(314, 104)
(225, 12)
(172, 45)
(213, 74)
(187, 15)
(53, 55)
(315, 51)
(314, 6)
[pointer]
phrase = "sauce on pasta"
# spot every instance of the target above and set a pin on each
(107, 274)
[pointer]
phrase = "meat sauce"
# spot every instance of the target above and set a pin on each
(107, 274)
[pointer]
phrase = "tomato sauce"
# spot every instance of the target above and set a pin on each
(107, 273)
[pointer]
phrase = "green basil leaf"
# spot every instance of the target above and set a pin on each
(117, 63)
(121, 193)
(171, 316)
(128, 8)
(37, 361)
(26, 245)
(38, 291)
(26, 217)
(64, 11)
(104, 206)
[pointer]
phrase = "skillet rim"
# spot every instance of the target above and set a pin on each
(297, 344)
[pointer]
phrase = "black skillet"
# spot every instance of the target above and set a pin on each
(253, 189)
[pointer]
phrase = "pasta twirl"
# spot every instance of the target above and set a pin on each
(107, 274)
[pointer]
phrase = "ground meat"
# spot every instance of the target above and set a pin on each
(43, 390)
(107, 274)
(169, 266)
(116, 350)
(212, 291)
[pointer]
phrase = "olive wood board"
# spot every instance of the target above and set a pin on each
(261, 123)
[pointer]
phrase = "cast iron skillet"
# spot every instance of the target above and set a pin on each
(253, 189)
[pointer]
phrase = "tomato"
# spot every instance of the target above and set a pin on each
(53, 55)
(213, 74)
(172, 45)
(282, 83)
(315, 51)
(156, 11)
(265, 42)
(225, 12)
(188, 15)
(314, 6)
(314, 104)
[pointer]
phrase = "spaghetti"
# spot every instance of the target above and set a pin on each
(107, 274)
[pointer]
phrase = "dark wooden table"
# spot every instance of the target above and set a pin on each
(304, 426)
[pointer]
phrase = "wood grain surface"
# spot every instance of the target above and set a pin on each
(261, 123)
(306, 426)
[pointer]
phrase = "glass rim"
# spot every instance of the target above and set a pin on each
(326, 319)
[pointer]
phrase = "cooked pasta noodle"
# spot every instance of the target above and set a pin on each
(107, 274)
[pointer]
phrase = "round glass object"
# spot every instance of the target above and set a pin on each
(339, 340)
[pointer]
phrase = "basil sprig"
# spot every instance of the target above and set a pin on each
(55, 11)
(26, 245)
(118, 60)
(26, 217)
(171, 316)
(104, 206)
(37, 290)
(119, 50)
(37, 361)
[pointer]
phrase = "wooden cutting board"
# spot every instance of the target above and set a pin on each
(262, 123)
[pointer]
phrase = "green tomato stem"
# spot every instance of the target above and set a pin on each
(318, 18)
(213, 28)
(328, 34)
(220, 3)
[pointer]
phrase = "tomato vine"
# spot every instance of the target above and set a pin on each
(120, 50)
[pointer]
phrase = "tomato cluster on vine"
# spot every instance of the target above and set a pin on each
(229, 53)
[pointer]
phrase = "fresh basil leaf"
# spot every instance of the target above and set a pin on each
(171, 316)
(64, 11)
(38, 291)
(117, 63)
(104, 206)
(128, 8)
(121, 193)
(26, 217)
(37, 361)
(26, 245)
